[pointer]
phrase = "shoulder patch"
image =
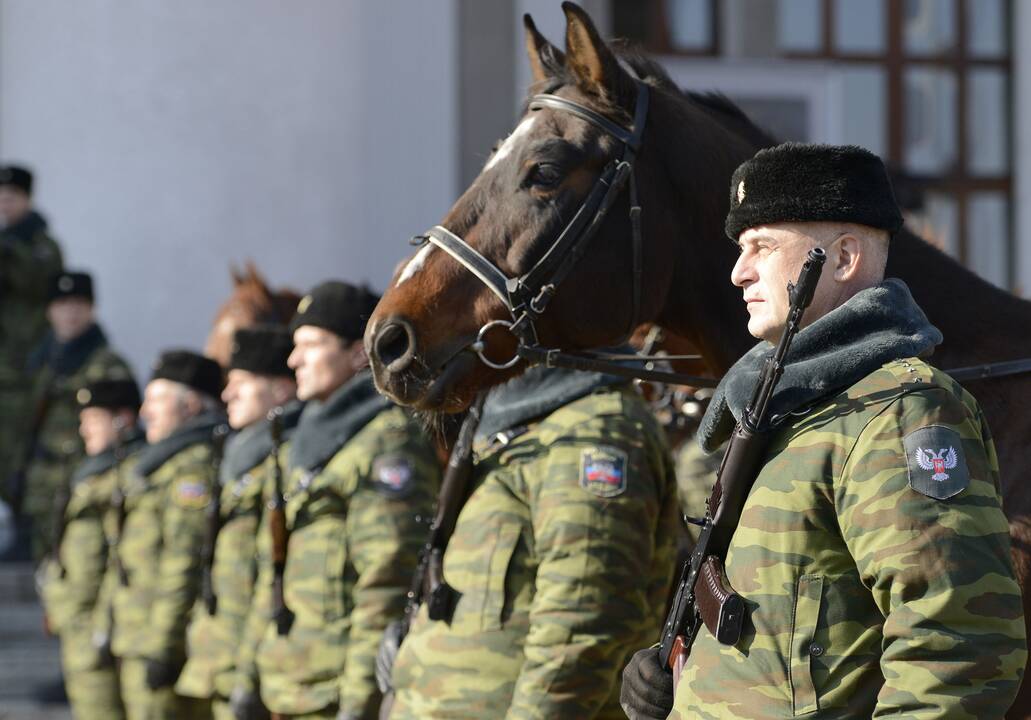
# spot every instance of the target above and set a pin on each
(190, 493)
(393, 475)
(935, 462)
(603, 471)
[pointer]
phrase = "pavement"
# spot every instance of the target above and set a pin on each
(30, 665)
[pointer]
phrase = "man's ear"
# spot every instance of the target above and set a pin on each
(358, 359)
(848, 257)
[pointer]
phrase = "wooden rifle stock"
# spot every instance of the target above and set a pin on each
(704, 595)
(277, 527)
(213, 517)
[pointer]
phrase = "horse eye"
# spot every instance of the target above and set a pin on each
(546, 175)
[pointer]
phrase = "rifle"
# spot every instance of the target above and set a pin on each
(704, 595)
(277, 527)
(428, 582)
(59, 522)
(213, 517)
(118, 507)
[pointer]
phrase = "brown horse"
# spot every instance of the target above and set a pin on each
(421, 336)
(252, 302)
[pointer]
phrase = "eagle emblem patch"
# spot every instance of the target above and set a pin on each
(393, 475)
(935, 462)
(603, 471)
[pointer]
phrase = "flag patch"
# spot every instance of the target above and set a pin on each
(393, 475)
(191, 494)
(603, 471)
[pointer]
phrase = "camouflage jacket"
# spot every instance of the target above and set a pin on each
(72, 592)
(361, 474)
(562, 558)
(872, 552)
(160, 546)
(213, 640)
(29, 257)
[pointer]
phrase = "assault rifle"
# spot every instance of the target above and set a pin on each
(428, 584)
(704, 595)
(277, 527)
(118, 508)
(213, 517)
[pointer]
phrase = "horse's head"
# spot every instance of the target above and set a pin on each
(252, 301)
(556, 162)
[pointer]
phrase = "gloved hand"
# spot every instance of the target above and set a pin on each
(647, 691)
(245, 704)
(161, 674)
(386, 655)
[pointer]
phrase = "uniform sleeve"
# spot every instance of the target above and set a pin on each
(28, 266)
(594, 509)
(259, 613)
(384, 538)
(179, 564)
(938, 569)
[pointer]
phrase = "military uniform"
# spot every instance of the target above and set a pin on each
(214, 640)
(160, 550)
(72, 590)
(360, 473)
(562, 558)
(696, 474)
(29, 257)
(60, 371)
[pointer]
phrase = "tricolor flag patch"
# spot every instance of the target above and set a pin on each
(603, 471)
(191, 494)
(393, 475)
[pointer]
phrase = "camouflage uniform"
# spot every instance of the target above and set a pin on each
(873, 588)
(360, 473)
(61, 370)
(562, 558)
(160, 548)
(214, 640)
(72, 591)
(696, 473)
(29, 257)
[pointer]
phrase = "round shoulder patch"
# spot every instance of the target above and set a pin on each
(935, 461)
(190, 493)
(603, 471)
(393, 475)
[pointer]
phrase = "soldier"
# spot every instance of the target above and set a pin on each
(360, 473)
(73, 353)
(872, 553)
(29, 257)
(561, 558)
(259, 380)
(162, 533)
(72, 590)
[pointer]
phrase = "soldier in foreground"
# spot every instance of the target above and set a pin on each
(360, 474)
(560, 561)
(73, 353)
(72, 598)
(29, 257)
(161, 534)
(258, 381)
(872, 554)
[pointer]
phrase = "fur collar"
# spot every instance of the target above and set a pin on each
(193, 431)
(250, 446)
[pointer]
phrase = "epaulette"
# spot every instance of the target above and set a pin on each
(911, 371)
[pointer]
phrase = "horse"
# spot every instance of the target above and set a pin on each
(438, 325)
(252, 302)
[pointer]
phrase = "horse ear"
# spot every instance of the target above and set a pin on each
(255, 278)
(546, 60)
(234, 272)
(590, 58)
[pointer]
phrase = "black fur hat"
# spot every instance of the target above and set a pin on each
(71, 284)
(336, 306)
(110, 394)
(187, 367)
(262, 349)
(16, 176)
(797, 182)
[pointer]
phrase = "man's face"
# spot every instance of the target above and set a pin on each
(100, 427)
(14, 204)
(249, 396)
(771, 257)
(69, 317)
(166, 406)
(322, 362)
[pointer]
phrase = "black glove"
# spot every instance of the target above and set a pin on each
(647, 692)
(161, 674)
(386, 655)
(245, 704)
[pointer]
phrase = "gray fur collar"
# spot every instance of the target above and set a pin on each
(249, 447)
(876, 326)
(97, 464)
(196, 430)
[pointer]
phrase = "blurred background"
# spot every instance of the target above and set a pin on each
(171, 140)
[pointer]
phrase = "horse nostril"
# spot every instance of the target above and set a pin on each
(395, 345)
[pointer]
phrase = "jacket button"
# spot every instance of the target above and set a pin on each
(816, 650)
